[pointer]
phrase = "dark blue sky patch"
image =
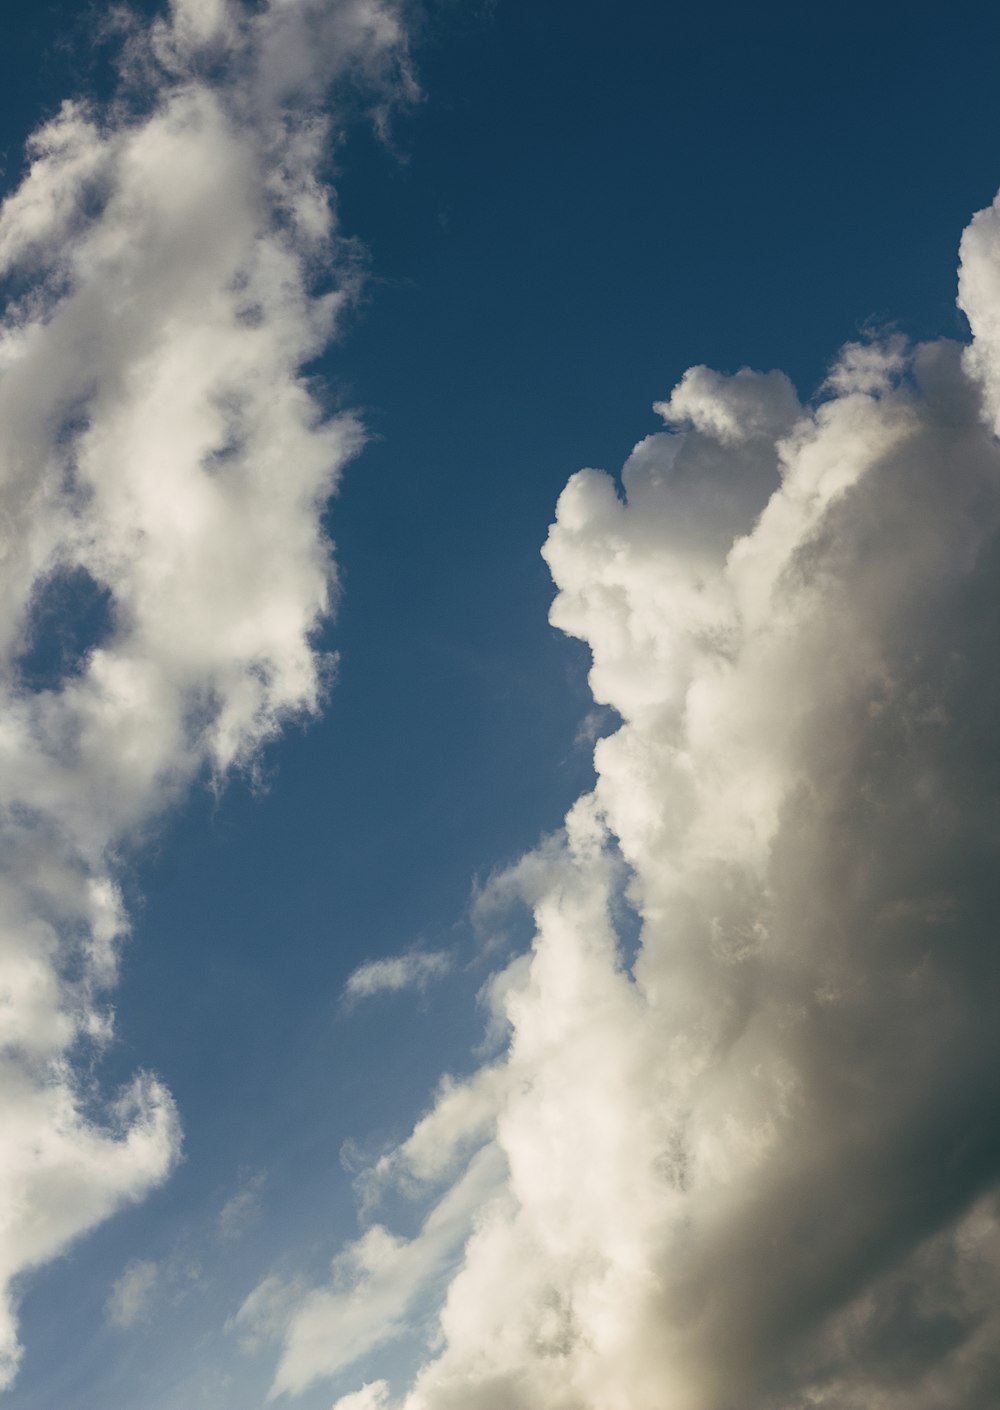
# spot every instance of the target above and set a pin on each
(70, 616)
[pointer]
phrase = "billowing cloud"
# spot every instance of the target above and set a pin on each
(170, 263)
(758, 1164)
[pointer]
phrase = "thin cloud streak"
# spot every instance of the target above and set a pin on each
(759, 1166)
(414, 970)
(171, 263)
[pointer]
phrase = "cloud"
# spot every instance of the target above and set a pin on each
(171, 262)
(759, 1165)
(242, 1209)
(131, 1294)
(376, 1282)
(372, 1396)
(414, 970)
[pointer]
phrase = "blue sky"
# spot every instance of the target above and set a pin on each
(583, 202)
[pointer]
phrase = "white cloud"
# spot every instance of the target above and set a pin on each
(130, 1297)
(414, 970)
(163, 460)
(760, 1166)
(372, 1396)
(376, 1281)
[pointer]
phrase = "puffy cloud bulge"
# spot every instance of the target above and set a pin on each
(756, 1165)
(170, 263)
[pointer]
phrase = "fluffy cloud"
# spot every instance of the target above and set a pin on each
(759, 1165)
(372, 1396)
(163, 468)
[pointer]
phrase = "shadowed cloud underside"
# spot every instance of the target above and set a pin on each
(758, 1166)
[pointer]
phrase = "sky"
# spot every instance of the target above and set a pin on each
(499, 795)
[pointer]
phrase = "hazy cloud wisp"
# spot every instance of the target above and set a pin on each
(130, 1297)
(413, 970)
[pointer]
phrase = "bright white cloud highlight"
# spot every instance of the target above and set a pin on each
(759, 1166)
(163, 468)
(372, 1396)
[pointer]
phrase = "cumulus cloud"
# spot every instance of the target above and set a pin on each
(170, 263)
(758, 1164)
(414, 970)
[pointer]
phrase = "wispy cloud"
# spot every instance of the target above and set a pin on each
(414, 970)
(377, 1281)
(758, 1167)
(171, 262)
(243, 1208)
(131, 1295)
